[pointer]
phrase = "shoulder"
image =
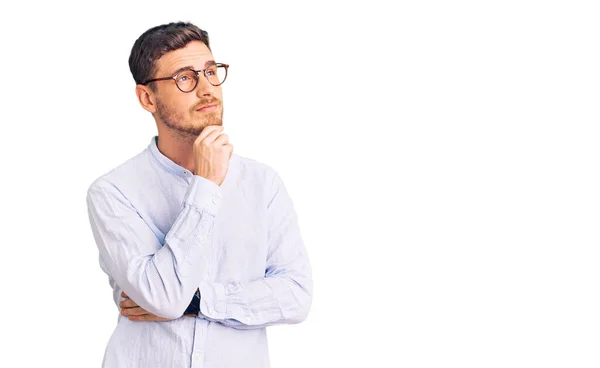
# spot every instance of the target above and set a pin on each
(258, 177)
(126, 174)
(255, 169)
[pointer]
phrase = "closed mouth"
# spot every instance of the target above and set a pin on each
(206, 107)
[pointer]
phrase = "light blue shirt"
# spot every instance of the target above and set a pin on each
(163, 232)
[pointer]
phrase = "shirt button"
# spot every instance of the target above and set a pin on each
(197, 356)
(215, 200)
(202, 238)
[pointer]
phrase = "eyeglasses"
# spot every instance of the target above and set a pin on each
(187, 79)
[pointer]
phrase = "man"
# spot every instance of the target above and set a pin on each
(202, 246)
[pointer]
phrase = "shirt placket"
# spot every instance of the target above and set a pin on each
(199, 350)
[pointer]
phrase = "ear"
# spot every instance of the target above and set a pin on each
(146, 98)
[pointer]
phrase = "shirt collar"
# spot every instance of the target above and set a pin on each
(166, 162)
(181, 171)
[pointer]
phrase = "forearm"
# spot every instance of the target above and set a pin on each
(157, 283)
(284, 294)
(160, 278)
(275, 299)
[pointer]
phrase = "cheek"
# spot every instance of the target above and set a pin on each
(219, 94)
(181, 104)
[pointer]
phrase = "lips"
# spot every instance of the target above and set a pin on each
(209, 107)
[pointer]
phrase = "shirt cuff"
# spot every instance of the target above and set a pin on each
(204, 194)
(213, 302)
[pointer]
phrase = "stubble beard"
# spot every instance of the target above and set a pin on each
(187, 130)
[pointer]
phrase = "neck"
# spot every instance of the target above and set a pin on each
(177, 148)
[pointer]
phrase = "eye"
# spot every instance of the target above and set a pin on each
(186, 77)
(211, 70)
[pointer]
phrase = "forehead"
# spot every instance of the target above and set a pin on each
(194, 54)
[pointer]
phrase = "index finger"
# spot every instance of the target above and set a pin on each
(207, 130)
(124, 295)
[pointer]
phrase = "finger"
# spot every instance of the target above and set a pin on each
(222, 140)
(129, 303)
(137, 311)
(207, 130)
(212, 136)
(124, 295)
(148, 317)
(137, 318)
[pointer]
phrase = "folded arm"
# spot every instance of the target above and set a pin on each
(161, 278)
(284, 294)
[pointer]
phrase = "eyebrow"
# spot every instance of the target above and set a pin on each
(206, 65)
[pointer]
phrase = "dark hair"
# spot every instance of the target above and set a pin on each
(156, 42)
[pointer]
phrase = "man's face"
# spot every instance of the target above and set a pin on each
(179, 111)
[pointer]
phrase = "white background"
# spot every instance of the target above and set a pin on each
(442, 157)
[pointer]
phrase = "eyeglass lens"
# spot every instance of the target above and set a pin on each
(187, 80)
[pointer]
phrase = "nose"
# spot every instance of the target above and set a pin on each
(204, 88)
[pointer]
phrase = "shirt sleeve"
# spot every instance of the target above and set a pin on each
(284, 294)
(161, 278)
